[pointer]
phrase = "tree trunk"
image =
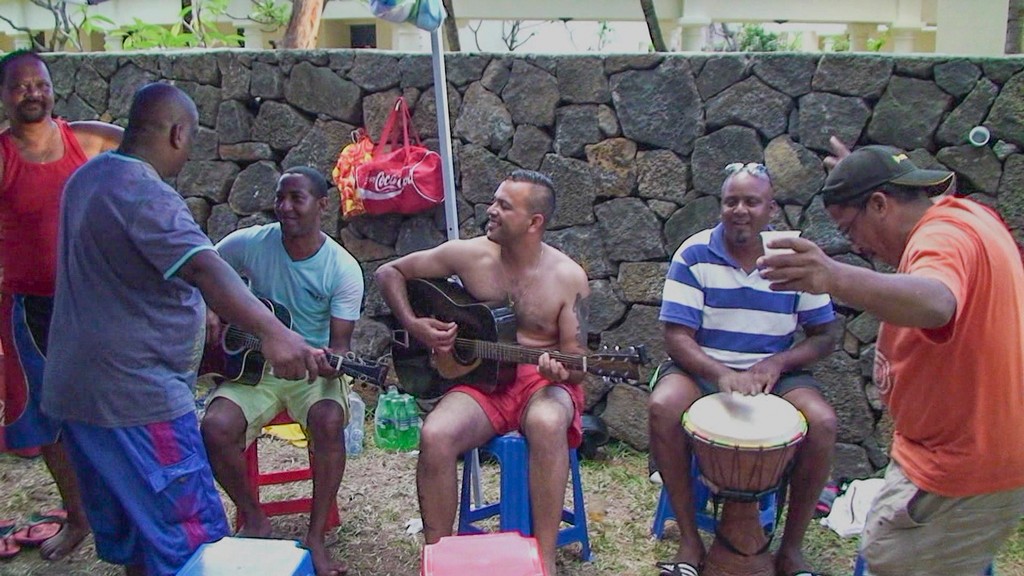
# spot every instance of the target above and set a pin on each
(653, 25)
(451, 28)
(304, 24)
(1013, 27)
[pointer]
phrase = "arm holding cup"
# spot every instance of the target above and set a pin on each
(902, 299)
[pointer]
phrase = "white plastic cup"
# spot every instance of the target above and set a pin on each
(978, 136)
(769, 235)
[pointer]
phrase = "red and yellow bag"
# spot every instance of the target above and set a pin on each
(403, 177)
(352, 155)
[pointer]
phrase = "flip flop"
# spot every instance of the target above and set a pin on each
(41, 527)
(677, 569)
(8, 547)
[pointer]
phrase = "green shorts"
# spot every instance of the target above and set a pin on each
(261, 403)
(910, 532)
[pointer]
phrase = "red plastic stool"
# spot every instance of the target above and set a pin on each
(280, 507)
(496, 554)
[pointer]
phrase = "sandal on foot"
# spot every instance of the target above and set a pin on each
(805, 573)
(41, 527)
(677, 569)
(8, 547)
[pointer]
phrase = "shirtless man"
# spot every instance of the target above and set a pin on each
(38, 153)
(548, 293)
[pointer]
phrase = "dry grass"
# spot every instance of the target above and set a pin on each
(378, 497)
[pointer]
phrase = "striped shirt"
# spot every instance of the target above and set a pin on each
(737, 318)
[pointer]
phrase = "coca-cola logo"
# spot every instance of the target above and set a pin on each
(384, 182)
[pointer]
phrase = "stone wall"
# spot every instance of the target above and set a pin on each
(635, 144)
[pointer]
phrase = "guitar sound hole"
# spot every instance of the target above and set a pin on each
(234, 341)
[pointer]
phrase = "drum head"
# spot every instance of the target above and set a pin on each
(757, 421)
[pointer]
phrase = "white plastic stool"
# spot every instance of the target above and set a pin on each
(247, 556)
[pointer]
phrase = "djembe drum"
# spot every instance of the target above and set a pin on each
(743, 445)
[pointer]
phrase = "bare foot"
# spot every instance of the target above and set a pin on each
(256, 527)
(691, 553)
(322, 561)
(65, 542)
(790, 562)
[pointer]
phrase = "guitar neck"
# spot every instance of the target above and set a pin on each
(242, 339)
(517, 354)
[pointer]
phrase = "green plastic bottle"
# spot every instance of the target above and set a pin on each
(385, 425)
(402, 424)
(409, 424)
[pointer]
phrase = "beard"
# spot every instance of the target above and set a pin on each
(32, 112)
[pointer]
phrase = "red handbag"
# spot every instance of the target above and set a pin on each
(403, 177)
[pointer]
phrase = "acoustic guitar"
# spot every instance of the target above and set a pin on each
(237, 358)
(486, 352)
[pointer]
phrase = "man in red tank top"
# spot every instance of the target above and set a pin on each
(38, 153)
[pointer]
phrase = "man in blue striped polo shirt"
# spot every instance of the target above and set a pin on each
(725, 330)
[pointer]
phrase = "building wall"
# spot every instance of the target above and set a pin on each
(636, 146)
(965, 27)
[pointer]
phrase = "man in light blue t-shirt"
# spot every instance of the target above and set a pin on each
(294, 264)
(726, 330)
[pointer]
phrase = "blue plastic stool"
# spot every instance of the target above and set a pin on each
(861, 566)
(705, 521)
(249, 556)
(513, 508)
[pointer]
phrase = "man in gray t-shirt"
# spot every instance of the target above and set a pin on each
(132, 273)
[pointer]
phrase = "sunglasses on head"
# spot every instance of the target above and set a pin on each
(754, 168)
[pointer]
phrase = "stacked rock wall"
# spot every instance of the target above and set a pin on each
(635, 144)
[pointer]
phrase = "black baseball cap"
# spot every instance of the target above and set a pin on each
(867, 168)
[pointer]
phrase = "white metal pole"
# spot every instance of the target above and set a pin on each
(451, 213)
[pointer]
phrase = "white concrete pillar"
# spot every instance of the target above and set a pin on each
(902, 40)
(859, 34)
(809, 41)
(692, 32)
(255, 37)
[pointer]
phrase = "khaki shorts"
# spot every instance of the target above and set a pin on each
(261, 403)
(910, 532)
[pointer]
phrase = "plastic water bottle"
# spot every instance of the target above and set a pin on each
(357, 419)
(409, 430)
(402, 423)
(385, 425)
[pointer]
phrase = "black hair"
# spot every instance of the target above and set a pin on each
(543, 203)
(14, 55)
(320, 186)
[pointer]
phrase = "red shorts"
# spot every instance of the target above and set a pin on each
(505, 408)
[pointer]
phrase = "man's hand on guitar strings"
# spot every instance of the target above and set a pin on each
(435, 334)
(552, 369)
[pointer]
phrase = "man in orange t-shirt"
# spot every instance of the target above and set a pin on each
(949, 361)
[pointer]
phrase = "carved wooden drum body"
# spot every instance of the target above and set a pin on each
(743, 445)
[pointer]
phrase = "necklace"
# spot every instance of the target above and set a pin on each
(524, 289)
